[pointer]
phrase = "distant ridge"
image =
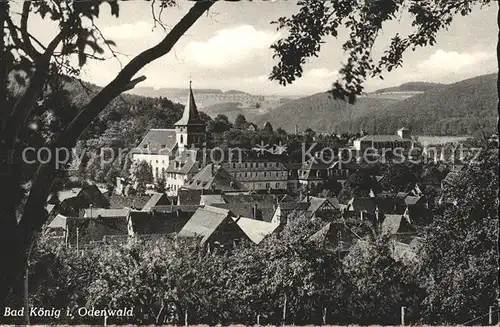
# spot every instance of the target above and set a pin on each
(170, 92)
(462, 108)
(412, 87)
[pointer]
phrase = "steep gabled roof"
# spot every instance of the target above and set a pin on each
(185, 163)
(205, 222)
(396, 224)
(412, 200)
(215, 178)
(155, 200)
(190, 115)
(59, 222)
(256, 230)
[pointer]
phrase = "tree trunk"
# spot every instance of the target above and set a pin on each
(16, 237)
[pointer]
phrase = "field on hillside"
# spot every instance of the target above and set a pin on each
(432, 140)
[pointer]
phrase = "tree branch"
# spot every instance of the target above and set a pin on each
(33, 217)
(28, 46)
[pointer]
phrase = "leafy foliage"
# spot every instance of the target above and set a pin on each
(317, 20)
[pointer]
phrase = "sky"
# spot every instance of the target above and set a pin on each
(228, 48)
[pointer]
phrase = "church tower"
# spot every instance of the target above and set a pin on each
(190, 130)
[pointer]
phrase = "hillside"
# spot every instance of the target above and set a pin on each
(411, 87)
(456, 109)
(320, 112)
(461, 108)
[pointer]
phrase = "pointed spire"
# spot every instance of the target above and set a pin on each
(190, 115)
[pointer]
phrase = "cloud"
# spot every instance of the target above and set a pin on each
(229, 46)
(135, 30)
(453, 61)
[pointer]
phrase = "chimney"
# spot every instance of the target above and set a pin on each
(296, 129)
(362, 215)
(254, 211)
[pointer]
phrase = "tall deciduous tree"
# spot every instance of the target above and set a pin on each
(23, 55)
(459, 266)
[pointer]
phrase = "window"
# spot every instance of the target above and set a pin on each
(182, 138)
(268, 185)
(277, 185)
(265, 174)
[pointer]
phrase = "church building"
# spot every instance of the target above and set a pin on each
(162, 147)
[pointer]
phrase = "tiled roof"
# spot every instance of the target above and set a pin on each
(156, 199)
(72, 206)
(289, 206)
(209, 199)
(147, 223)
(157, 141)
(93, 195)
(185, 163)
(188, 197)
(396, 224)
(49, 208)
(95, 229)
(264, 212)
(251, 198)
(117, 201)
(215, 178)
(358, 204)
(105, 213)
(335, 202)
(205, 222)
(256, 230)
(323, 235)
(59, 221)
(412, 200)
(173, 208)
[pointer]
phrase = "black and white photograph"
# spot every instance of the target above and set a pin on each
(249, 163)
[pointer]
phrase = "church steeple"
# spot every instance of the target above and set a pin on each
(190, 129)
(190, 115)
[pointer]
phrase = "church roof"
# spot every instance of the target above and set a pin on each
(157, 141)
(190, 115)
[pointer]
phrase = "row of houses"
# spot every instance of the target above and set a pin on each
(223, 219)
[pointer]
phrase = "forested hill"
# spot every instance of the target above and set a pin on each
(321, 113)
(462, 108)
(457, 109)
(128, 117)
